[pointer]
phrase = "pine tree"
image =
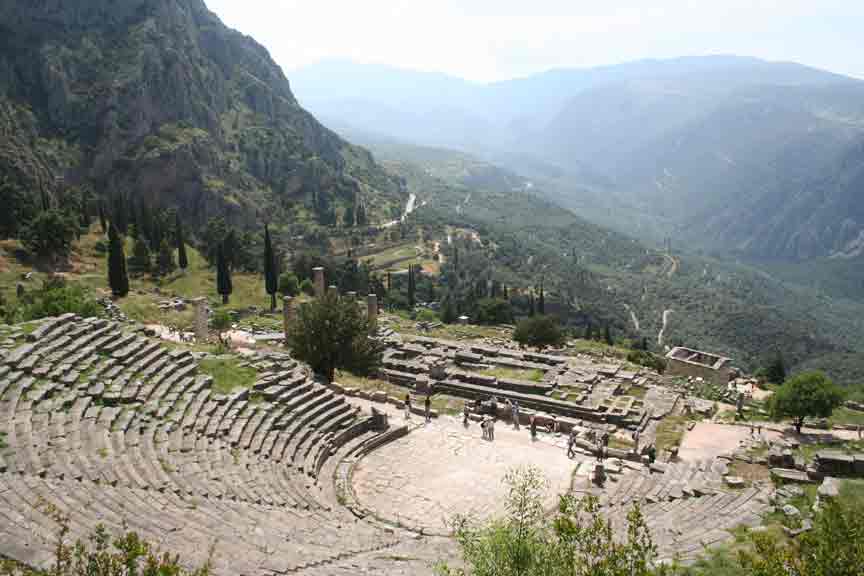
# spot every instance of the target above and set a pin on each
(270, 278)
(223, 274)
(532, 310)
(229, 248)
(118, 279)
(182, 260)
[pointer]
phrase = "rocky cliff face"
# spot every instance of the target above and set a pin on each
(159, 100)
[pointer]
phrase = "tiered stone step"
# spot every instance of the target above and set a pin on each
(110, 427)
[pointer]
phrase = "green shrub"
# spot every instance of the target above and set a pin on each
(307, 287)
(427, 315)
(647, 359)
(56, 297)
(288, 284)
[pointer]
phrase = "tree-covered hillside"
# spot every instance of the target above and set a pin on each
(593, 276)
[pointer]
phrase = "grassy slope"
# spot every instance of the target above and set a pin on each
(89, 267)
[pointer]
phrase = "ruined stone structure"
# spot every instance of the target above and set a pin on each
(372, 310)
(113, 428)
(686, 362)
(201, 330)
(292, 476)
(318, 276)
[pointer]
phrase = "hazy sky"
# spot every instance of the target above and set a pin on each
(486, 40)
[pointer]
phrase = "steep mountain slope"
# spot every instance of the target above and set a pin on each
(764, 170)
(725, 153)
(157, 99)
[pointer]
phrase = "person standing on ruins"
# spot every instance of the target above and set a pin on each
(515, 412)
(465, 413)
(407, 406)
(533, 424)
(492, 429)
(428, 407)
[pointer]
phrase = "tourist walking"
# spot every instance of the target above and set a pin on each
(492, 429)
(533, 424)
(407, 406)
(465, 413)
(428, 407)
(515, 412)
(484, 425)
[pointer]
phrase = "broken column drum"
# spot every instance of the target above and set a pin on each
(372, 310)
(318, 277)
(201, 331)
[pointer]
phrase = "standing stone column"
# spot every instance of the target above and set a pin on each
(201, 331)
(287, 314)
(318, 275)
(372, 310)
(333, 291)
(351, 296)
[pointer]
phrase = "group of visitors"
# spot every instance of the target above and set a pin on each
(427, 407)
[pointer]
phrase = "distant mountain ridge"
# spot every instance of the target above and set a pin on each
(159, 101)
(725, 153)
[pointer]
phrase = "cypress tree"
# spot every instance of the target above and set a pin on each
(589, 331)
(103, 222)
(607, 335)
(140, 261)
(182, 260)
(223, 274)
(229, 247)
(165, 258)
(411, 286)
(270, 279)
(118, 279)
(119, 215)
(531, 307)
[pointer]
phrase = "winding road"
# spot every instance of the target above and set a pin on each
(663, 329)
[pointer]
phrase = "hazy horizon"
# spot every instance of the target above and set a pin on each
(484, 41)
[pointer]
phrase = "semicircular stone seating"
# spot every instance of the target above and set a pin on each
(108, 426)
(686, 506)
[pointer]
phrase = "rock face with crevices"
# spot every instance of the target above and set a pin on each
(158, 100)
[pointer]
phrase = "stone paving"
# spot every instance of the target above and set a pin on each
(443, 469)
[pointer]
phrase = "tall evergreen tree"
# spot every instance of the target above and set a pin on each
(119, 214)
(103, 221)
(271, 283)
(532, 310)
(140, 261)
(118, 279)
(541, 302)
(411, 286)
(607, 335)
(165, 258)
(182, 260)
(223, 274)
